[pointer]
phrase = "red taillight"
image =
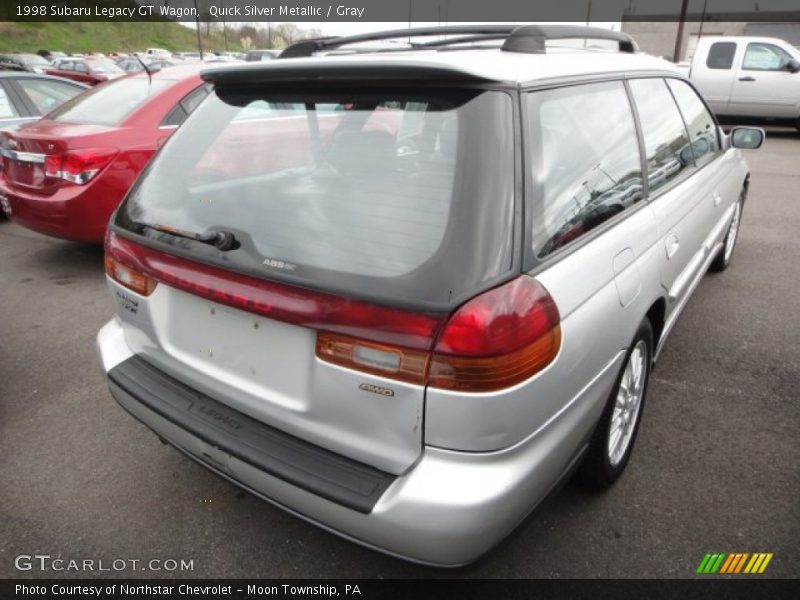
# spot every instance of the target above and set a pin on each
(497, 339)
(290, 304)
(78, 166)
(494, 341)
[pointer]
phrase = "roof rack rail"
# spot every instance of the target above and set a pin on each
(529, 39)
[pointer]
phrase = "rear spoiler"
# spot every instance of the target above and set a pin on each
(333, 70)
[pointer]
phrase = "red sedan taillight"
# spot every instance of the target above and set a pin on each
(78, 166)
(494, 341)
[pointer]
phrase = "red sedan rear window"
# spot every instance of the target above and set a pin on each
(110, 103)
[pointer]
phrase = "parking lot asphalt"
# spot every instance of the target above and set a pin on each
(716, 467)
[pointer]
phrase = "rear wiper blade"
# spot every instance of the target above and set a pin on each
(222, 239)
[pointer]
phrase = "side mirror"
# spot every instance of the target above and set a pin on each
(793, 66)
(701, 147)
(747, 138)
(686, 155)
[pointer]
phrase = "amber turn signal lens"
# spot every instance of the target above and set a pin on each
(128, 277)
(379, 359)
(479, 374)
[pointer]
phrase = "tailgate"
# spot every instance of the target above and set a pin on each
(268, 370)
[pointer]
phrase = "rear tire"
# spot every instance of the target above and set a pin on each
(725, 254)
(612, 441)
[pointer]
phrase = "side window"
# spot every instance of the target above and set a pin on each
(764, 57)
(665, 140)
(47, 95)
(720, 55)
(175, 117)
(7, 110)
(193, 99)
(586, 162)
(81, 67)
(185, 107)
(66, 65)
(699, 122)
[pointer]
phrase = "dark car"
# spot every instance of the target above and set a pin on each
(51, 54)
(24, 62)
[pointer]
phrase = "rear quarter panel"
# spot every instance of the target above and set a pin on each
(596, 329)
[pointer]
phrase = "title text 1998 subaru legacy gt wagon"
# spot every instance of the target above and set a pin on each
(403, 294)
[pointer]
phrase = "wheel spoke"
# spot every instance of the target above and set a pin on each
(613, 444)
(637, 367)
(616, 422)
(626, 404)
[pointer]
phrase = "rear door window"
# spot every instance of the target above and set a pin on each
(669, 152)
(701, 125)
(585, 161)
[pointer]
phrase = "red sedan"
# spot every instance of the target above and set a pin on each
(65, 174)
(89, 70)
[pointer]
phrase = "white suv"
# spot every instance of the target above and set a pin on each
(403, 294)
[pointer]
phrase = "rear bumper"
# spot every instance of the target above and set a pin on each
(77, 213)
(446, 510)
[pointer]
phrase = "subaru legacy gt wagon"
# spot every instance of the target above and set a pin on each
(403, 294)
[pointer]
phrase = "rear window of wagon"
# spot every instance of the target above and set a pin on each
(381, 193)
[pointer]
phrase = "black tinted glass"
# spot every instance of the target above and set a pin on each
(400, 194)
(720, 55)
(666, 142)
(701, 125)
(585, 160)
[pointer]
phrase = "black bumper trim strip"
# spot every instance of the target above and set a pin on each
(337, 478)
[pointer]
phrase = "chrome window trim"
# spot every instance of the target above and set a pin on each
(28, 157)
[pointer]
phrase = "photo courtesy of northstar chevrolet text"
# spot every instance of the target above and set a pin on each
(392, 291)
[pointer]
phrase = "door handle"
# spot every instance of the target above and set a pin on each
(671, 243)
(748, 78)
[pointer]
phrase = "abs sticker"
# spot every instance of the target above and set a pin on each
(274, 263)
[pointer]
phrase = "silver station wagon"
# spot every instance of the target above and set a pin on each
(404, 291)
